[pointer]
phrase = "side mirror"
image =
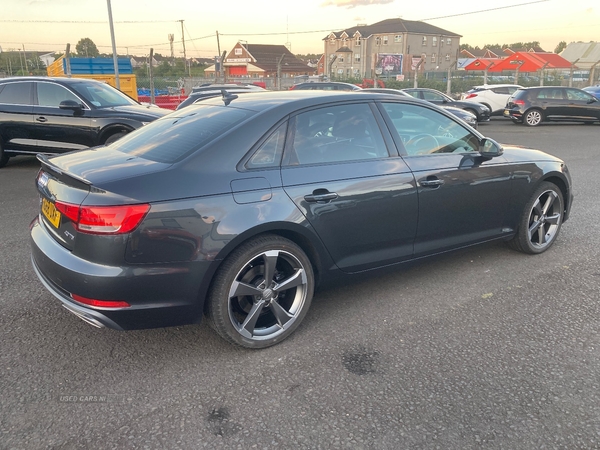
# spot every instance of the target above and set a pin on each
(70, 104)
(490, 148)
(592, 100)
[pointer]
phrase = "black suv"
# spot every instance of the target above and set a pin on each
(326, 86)
(534, 105)
(200, 93)
(57, 115)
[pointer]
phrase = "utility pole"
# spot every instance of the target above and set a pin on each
(114, 46)
(68, 61)
(184, 53)
(152, 99)
(218, 72)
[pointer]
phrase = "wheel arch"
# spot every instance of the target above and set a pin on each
(302, 236)
(113, 129)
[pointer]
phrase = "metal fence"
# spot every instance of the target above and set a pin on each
(460, 81)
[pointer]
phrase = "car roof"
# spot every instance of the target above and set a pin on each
(217, 86)
(491, 86)
(326, 83)
(292, 100)
(534, 88)
(60, 80)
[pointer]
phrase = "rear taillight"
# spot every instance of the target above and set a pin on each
(104, 219)
(470, 96)
(519, 102)
(100, 303)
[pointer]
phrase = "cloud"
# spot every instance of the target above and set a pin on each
(349, 4)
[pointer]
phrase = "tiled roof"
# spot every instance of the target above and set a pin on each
(395, 26)
(267, 56)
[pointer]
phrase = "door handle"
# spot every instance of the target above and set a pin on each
(431, 183)
(320, 196)
(41, 119)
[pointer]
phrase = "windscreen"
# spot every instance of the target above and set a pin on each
(103, 95)
(177, 135)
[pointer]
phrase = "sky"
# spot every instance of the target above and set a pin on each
(48, 25)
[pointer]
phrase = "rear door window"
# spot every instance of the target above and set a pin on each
(18, 93)
(336, 134)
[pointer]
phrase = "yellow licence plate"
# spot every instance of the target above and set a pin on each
(50, 212)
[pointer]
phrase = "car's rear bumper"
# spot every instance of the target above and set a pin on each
(158, 295)
(514, 114)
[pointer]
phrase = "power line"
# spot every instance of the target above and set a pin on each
(84, 21)
(484, 10)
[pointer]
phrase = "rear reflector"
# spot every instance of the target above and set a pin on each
(104, 219)
(100, 303)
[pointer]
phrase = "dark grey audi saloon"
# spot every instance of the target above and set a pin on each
(237, 209)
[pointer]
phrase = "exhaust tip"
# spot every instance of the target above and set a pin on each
(86, 318)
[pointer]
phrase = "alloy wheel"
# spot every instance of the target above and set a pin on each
(545, 219)
(267, 295)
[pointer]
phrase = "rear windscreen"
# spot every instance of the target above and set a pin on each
(179, 134)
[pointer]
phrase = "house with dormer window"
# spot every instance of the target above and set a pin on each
(388, 49)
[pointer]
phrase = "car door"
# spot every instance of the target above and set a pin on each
(16, 117)
(552, 101)
(581, 104)
(59, 130)
(358, 197)
(463, 197)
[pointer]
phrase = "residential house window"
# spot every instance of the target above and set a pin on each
(238, 51)
(358, 42)
(341, 59)
(377, 40)
(447, 56)
(385, 40)
(340, 71)
(356, 72)
(433, 57)
(398, 38)
(424, 40)
(449, 41)
(434, 41)
(331, 41)
(357, 57)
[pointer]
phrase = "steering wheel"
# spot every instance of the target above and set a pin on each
(422, 144)
(318, 129)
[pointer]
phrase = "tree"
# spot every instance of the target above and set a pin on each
(86, 48)
(560, 47)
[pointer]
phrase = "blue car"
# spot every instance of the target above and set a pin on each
(594, 90)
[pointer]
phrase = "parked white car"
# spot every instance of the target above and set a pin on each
(494, 96)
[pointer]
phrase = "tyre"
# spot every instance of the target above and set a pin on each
(261, 292)
(541, 220)
(533, 118)
(3, 156)
(114, 137)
